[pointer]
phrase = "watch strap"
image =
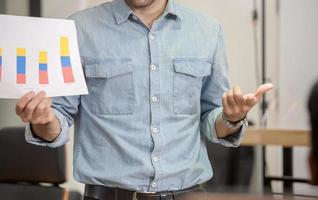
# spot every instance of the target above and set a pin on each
(234, 125)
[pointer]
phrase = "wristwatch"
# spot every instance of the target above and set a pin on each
(234, 125)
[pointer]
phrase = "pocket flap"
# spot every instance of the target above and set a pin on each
(107, 68)
(193, 67)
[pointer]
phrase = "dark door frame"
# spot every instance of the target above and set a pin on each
(35, 8)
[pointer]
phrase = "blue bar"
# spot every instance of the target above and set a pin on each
(21, 60)
(43, 67)
(66, 61)
(0, 60)
(21, 70)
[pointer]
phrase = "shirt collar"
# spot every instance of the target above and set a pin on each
(122, 11)
(172, 9)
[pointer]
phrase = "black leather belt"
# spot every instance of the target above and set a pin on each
(108, 193)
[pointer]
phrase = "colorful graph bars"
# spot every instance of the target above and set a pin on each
(43, 66)
(0, 64)
(21, 66)
(66, 60)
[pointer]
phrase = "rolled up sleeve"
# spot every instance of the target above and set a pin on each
(214, 86)
(64, 109)
(208, 126)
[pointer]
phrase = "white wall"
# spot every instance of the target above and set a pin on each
(90, 3)
(61, 8)
(17, 7)
(298, 72)
(299, 65)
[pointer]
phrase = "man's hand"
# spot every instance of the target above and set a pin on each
(36, 110)
(236, 105)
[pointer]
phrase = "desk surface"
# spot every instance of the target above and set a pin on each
(285, 138)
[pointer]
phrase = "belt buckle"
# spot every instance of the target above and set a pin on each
(155, 195)
(138, 194)
(167, 196)
(145, 193)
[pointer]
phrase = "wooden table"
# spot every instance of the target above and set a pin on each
(284, 138)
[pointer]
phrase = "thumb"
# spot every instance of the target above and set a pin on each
(262, 90)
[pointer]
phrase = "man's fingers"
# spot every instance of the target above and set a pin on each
(42, 113)
(40, 108)
(250, 100)
(224, 100)
(32, 105)
(230, 98)
(262, 89)
(19, 108)
(236, 105)
(238, 95)
(44, 106)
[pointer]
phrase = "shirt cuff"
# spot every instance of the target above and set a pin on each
(233, 140)
(62, 138)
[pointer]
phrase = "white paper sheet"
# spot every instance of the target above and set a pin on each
(39, 54)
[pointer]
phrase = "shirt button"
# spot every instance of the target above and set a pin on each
(154, 99)
(154, 185)
(155, 130)
(153, 67)
(152, 36)
(155, 159)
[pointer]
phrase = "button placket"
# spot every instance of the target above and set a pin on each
(155, 102)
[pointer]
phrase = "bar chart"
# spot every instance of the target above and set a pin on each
(33, 57)
(43, 68)
(21, 61)
(66, 60)
(21, 65)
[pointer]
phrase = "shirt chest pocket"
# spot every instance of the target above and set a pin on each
(187, 84)
(111, 85)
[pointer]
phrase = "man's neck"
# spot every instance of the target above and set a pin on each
(149, 14)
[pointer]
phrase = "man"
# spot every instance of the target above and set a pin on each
(313, 110)
(156, 73)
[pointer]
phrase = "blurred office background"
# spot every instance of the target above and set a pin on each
(290, 63)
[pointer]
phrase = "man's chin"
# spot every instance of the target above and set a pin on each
(140, 3)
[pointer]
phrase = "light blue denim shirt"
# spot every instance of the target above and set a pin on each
(154, 96)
